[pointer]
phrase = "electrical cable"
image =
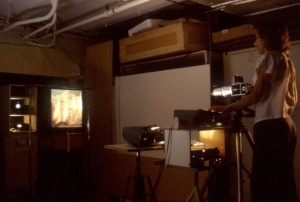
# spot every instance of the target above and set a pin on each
(163, 163)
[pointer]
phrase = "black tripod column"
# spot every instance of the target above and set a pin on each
(239, 130)
(139, 188)
(239, 159)
(139, 194)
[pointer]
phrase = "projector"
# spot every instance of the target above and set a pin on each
(144, 136)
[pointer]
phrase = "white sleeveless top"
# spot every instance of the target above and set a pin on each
(281, 98)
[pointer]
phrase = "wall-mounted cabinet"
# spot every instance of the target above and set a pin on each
(18, 152)
(176, 38)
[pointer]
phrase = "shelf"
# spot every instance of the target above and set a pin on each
(20, 114)
(18, 139)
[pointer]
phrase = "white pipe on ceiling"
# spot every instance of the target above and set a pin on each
(42, 28)
(219, 5)
(44, 45)
(34, 20)
(274, 9)
(8, 11)
(97, 17)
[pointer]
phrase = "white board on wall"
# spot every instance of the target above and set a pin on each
(151, 98)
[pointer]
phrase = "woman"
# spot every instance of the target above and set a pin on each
(274, 97)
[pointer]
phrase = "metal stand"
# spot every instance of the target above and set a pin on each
(238, 129)
(139, 194)
(30, 143)
(63, 173)
(197, 193)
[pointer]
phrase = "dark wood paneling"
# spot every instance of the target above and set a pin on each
(99, 92)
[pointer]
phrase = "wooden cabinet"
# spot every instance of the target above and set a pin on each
(176, 38)
(18, 141)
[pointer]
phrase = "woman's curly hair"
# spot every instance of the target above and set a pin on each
(275, 35)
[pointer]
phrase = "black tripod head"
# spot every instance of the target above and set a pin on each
(246, 112)
(239, 114)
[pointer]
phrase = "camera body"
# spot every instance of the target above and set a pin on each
(238, 88)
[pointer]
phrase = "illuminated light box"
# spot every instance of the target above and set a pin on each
(192, 148)
(66, 108)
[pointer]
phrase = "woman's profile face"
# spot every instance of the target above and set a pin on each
(259, 44)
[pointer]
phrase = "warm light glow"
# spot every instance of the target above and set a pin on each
(212, 139)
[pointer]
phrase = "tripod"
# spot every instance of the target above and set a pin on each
(139, 194)
(199, 192)
(238, 129)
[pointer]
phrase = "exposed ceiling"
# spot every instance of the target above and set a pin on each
(36, 20)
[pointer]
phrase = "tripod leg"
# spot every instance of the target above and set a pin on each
(205, 185)
(152, 191)
(197, 194)
(126, 188)
(249, 137)
(193, 193)
(247, 171)
(55, 185)
(239, 164)
(251, 143)
(71, 183)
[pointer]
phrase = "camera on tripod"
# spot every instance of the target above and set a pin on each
(238, 88)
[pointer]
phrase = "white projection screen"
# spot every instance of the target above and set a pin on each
(151, 98)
